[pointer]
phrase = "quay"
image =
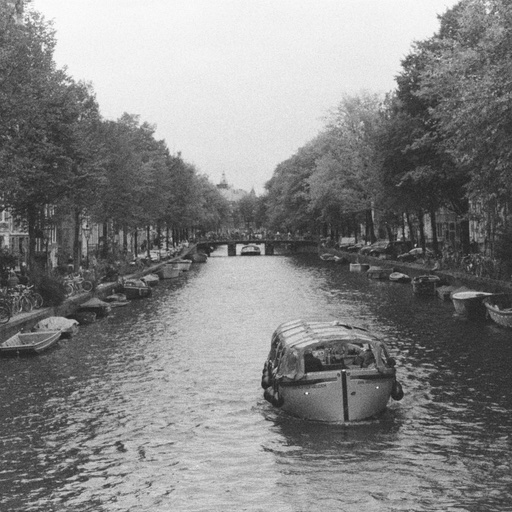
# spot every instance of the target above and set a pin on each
(26, 321)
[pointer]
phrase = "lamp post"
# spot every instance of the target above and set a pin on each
(86, 230)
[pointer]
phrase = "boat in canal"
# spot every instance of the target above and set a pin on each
(470, 304)
(183, 265)
(29, 343)
(499, 309)
(168, 271)
(250, 250)
(151, 279)
(425, 285)
(329, 371)
(67, 326)
(399, 277)
(136, 289)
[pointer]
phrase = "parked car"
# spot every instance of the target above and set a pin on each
(386, 248)
(415, 254)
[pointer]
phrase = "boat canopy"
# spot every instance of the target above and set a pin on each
(292, 340)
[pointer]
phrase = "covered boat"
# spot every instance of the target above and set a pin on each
(136, 289)
(378, 272)
(250, 250)
(499, 308)
(151, 279)
(470, 304)
(99, 307)
(67, 326)
(329, 371)
(29, 343)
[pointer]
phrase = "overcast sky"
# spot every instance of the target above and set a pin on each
(236, 85)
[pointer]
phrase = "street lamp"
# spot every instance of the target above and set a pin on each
(86, 230)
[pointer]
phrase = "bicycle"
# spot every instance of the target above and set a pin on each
(76, 284)
(16, 301)
(35, 298)
(5, 312)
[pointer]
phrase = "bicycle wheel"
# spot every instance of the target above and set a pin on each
(25, 304)
(68, 289)
(86, 286)
(5, 314)
(37, 300)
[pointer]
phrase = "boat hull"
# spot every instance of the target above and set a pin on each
(359, 267)
(425, 285)
(338, 396)
(470, 304)
(168, 271)
(499, 309)
(29, 343)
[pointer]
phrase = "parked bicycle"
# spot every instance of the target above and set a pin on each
(16, 300)
(5, 312)
(76, 284)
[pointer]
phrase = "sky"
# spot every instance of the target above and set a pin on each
(236, 86)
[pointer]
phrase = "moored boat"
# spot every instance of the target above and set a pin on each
(250, 250)
(329, 371)
(499, 308)
(198, 257)
(399, 277)
(29, 343)
(136, 289)
(168, 271)
(67, 326)
(99, 307)
(151, 279)
(378, 272)
(425, 285)
(182, 264)
(470, 304)
(359, 267)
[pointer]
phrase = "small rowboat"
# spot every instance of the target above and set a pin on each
(470, 304)
(29, 343)
(499, 308)
(136, 289)
(168, 271)
(398, 277)
(425, 285)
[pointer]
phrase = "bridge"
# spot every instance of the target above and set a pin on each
(288, 246)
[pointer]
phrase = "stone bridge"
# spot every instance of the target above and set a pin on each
(283, 246)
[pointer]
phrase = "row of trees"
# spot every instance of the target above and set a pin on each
(56, 149)
(441, 139)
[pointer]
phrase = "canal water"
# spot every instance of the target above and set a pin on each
(159, 406)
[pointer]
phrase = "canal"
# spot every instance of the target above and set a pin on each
(159, 406)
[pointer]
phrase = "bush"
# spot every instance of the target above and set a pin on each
(50, 288)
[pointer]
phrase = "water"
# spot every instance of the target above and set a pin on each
(159, 406)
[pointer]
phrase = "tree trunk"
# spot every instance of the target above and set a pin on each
(77, 243)
(421, 222)
(370, 228)
(412, 234)
(433, 222)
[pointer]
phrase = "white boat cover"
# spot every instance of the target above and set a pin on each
(55, 323)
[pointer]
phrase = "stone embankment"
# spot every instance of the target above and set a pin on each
(26, 321)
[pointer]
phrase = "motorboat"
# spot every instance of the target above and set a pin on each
(67, 326)
(425, 285)
(250, 250)
(470, 304)
(329, 371)
(499, 308)
(29, 343)
(136, 289)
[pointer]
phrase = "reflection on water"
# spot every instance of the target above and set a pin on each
(159, 406)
